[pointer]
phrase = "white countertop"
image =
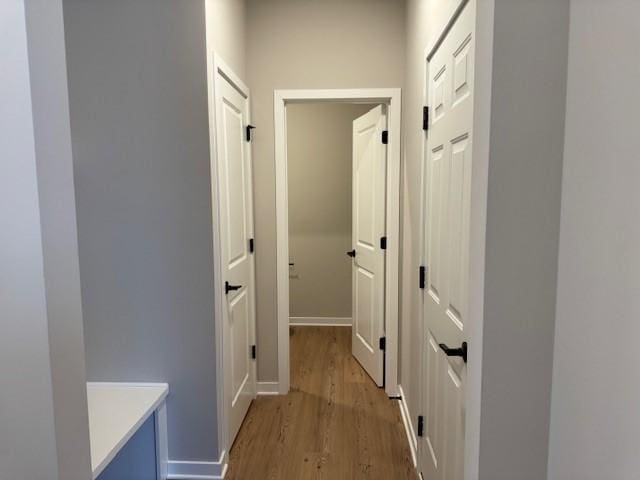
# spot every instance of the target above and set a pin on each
(116, 412)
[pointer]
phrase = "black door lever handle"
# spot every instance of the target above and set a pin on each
(455, 352)
(351, 253)
(230, 288)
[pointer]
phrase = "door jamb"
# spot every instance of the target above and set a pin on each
(392, 98)
(216, 65)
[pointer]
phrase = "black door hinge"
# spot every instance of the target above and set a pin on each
(420, 425)
(383, 343)
(423, 276)
(425, 118)
(383, 242)
(251, 245)
(248, 132)
(385, 136)
(253, 352)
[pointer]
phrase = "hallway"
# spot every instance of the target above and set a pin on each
(334, 423)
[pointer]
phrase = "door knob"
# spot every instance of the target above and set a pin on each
(230, 288)
(351, 253)
(455, 352)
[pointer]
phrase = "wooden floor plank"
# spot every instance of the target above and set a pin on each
(335, 423)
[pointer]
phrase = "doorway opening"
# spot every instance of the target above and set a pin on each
(373, 227)
(336, 183)
(319, 157)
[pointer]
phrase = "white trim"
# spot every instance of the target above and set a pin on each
(392, 98)
(193, 470)
(408, 426)
(282, 241)
(162, 442)
(268, 388)
(484, 32)
(320, 321)
(130, 385)
(216, 65)
(217, 255)
(340, 95)
(422, 369)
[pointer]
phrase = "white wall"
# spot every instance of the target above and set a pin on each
(319, 165)
(303, 44)
(595, 423)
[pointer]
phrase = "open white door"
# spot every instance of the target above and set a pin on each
(236, 233)
(369, 200)
(448, 184)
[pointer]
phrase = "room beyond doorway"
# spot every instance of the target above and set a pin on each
(319, 174)
(391, 100)
(337, 159)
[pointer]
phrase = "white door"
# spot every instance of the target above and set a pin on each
(369, 200)
(446, 222)
(236, 231)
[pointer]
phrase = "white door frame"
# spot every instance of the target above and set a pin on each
(216, 65)
(392, 98)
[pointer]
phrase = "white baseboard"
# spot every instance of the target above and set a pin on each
(321, 321)
(185, 470)
(408, 426)
(268, 388)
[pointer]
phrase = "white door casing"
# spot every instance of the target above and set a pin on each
(368, 273)
(392, 99)
(446, 243)
(235, 210)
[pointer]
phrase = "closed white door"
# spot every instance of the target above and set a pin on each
(236, 232)
(446, 222)
(369, 199)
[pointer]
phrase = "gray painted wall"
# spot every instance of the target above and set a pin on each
(50, 99)
(522, 231)
(27, 436)
(319, 171)
(226, 33)
(137, 73)
(595, 423)
(306, 44)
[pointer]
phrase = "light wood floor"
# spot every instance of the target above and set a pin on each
(334, 423)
